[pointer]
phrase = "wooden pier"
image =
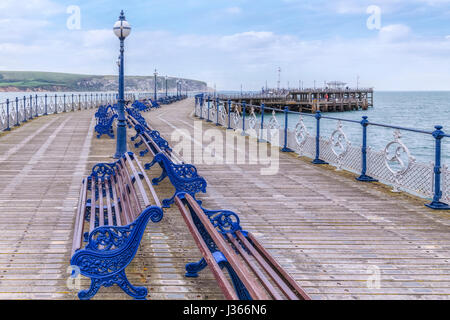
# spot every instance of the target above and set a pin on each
(330, 232)
(310, 100)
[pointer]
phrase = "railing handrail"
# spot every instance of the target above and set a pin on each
(440, 181)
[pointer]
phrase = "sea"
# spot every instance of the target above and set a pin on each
(415, 110)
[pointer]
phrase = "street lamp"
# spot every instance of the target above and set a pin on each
(122, 29)
(156, 83)
(166, 85)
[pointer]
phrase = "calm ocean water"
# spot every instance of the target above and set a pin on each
(419, 110)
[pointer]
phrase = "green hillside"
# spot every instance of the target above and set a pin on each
(53, 81)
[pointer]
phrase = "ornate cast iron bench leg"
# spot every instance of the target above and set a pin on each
(109, 252)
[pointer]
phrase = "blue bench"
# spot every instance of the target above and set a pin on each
(114, 209)
(254, 274)
(184, 177)
(105, 119)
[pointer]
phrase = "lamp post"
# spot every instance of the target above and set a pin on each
(166, 85)
(156, 84)
(122, 29)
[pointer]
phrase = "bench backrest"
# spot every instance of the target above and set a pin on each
(121, 189)
(263, 277)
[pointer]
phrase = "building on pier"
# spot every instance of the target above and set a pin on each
(329, 99)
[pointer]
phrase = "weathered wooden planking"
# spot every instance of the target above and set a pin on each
(329, 231)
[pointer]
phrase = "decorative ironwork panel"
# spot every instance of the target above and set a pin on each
(306, 148)
(417, 179)
(3, 116)
(446, 185)
(223, 115)
(252, 122)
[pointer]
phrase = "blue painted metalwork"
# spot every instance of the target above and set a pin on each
(110, 249)
(364, 177)
(36, 115)
(317, 160)
(121, 147)
(436, 204)
(201, 109)
(8, 128)
(217, 111)
(261, 133)
(24, 109)
(184, 177)
(286, 126)
(225, 222)
(46, 107)
(31, 107)
(229, 115)
(209, 107)
(105, 119)
(244, 111)
(17, 113)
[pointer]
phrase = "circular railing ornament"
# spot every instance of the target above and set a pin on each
(301, 134)
(273, 123)
(252, 121)
(397, 158)
(222, 113)
(339, 144)
(236, 117)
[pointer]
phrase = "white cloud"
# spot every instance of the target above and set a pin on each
(394, 33)
(233, 10)
(395, 59)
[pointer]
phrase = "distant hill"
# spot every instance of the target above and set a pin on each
(52, 81)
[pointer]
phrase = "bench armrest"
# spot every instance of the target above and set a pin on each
(224, 220)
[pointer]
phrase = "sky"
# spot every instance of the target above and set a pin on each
(386, 44)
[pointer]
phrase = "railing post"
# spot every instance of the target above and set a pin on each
(24, 109)
(8, 128)
(217, 112)
(244, 106)
(31, 107)
(209, 106)
(56, 103)
(73, 105)
(261, 130)
(64, 102)
(79, 102)
(364, 177)
(317, 160)
(286, 128)
(229, 115)
(45, 107)
(85, 101)
(17, 113)
(436, 204)
(37, 102)
(201, 109)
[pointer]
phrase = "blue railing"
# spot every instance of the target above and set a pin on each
(394, 165)
(14, 112)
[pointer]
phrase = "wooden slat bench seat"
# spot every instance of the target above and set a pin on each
(116, 203)
(253, 271)
(184, 177)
